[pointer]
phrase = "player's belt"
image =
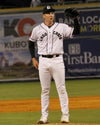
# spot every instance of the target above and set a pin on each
(50, 56)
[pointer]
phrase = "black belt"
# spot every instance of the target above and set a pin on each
(50, 56)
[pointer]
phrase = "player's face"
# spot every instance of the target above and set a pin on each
(49, 17)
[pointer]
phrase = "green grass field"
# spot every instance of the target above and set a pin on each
(30, 90)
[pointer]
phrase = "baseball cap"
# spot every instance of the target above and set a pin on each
(48, 9)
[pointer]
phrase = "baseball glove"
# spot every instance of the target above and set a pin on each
(71, 12)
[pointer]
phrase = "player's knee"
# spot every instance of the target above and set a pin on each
(45, 91)
(62, 90)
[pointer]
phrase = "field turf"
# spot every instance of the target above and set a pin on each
(31, 90)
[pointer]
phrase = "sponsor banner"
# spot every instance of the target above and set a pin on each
(81, 57)
(89, 21)
(82, 53)
(15, 59)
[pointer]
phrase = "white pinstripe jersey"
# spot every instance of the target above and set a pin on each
(50, 40)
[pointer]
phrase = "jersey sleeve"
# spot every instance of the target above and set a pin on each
(33, 36)
(68, 31)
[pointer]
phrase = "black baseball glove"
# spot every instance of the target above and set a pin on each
(71, 12)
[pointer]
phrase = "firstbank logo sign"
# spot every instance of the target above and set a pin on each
(74, 49)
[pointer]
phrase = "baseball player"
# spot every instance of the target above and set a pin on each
(49, 36)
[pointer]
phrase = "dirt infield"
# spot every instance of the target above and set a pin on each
(87, 102)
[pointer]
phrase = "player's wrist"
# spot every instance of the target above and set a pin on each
(75, 18)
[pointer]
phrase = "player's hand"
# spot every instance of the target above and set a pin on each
(71, 12)
(35, 63)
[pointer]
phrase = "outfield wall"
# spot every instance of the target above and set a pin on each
(82, 53)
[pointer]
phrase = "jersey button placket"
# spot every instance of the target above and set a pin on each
(49, 42)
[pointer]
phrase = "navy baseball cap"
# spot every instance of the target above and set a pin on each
(48, 9)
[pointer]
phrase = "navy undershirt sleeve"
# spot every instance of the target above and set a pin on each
(76, 27)
(31, 48)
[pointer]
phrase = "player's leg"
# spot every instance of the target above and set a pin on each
(45, 80)
(59, 77)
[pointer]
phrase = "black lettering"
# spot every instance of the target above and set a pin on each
(23, 44)
(6, 45)
(57, 34)
(42, 36)
(9, 29)
(17, 44)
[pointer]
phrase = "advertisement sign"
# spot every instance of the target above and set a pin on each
(82, 53)
(15, 59)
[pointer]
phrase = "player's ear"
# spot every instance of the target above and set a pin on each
(43, 15)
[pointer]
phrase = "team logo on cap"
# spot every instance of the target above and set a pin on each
(48, 7)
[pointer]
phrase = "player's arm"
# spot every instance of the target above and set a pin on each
(32, 52)
(76, 30)
(73, 13)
